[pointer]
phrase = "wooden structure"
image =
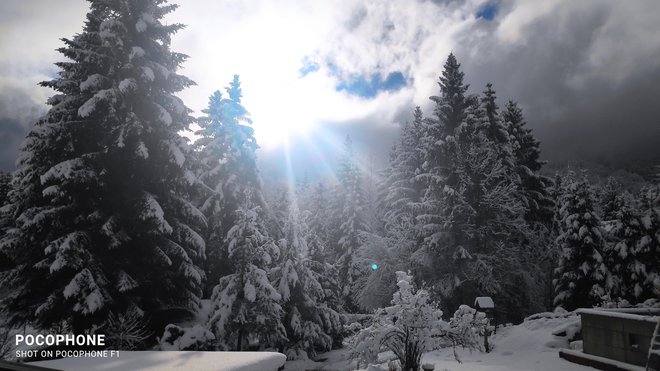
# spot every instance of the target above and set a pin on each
(486, 305)
(623, 336)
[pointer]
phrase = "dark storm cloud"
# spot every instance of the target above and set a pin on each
(589, 87)
(18, 112)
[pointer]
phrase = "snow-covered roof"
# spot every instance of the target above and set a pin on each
(484, 302)
(638, 315)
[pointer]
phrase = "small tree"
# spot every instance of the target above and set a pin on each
(245, 304)
(310, 322)
(411, 326)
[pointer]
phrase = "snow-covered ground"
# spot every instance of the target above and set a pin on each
(166, 361)
(529, 346)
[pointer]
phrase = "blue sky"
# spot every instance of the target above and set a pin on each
(370, 86)
(488, 11)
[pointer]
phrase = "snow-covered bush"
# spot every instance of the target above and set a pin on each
(409, 327)
(469, 325)
(185, 338)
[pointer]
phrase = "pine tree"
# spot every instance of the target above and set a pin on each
(320, 253)
(350, 210)
(311, 323)
(5, 186)
(227, 167)
(609, 201)
(526, 150)
(439, 175)
(402, 188)
(495, 130)
(319, 209)
(5, 217)
(102, 220)
(581, 274)
(649, 244)
(470, 210)
(245, 305)
(627, 255)
(536, 252)
(450, 107)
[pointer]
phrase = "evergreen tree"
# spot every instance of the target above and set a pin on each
(439, 174)
(470, 210)
(649, 244)
(350, 204)
(319, 251)
(311, 323)
(581, 273)
(402, 188)
(319, 209)
(495, 130)
(5, 217)
(627, 255)
(245, 306)
(278, 211)
(526, 150)
(451, 105)
(226, 149)
(102, 221)
(609, 200)
(5, 186)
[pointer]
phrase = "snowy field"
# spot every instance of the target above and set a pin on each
(529, 346)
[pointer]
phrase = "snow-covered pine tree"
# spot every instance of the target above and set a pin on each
(470, 210)
(278, 200)
(581, 273)
(226, 150)
(449, 111)
(320, 258)
(402, 188)
(350, 201)
(400, 193)
(102, 220)
(245, 306)
(626, 255)
(319, 209)
(439, 177)
(649, 244)
(534, 187)
(5, 186)
(494, 128)
(5, 217)
(609, 201)
(311, 323)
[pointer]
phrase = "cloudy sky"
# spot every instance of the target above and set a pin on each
(587, 73)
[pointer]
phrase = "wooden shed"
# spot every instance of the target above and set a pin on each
(620, 335)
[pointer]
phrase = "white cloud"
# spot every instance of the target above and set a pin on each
(267, 43)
